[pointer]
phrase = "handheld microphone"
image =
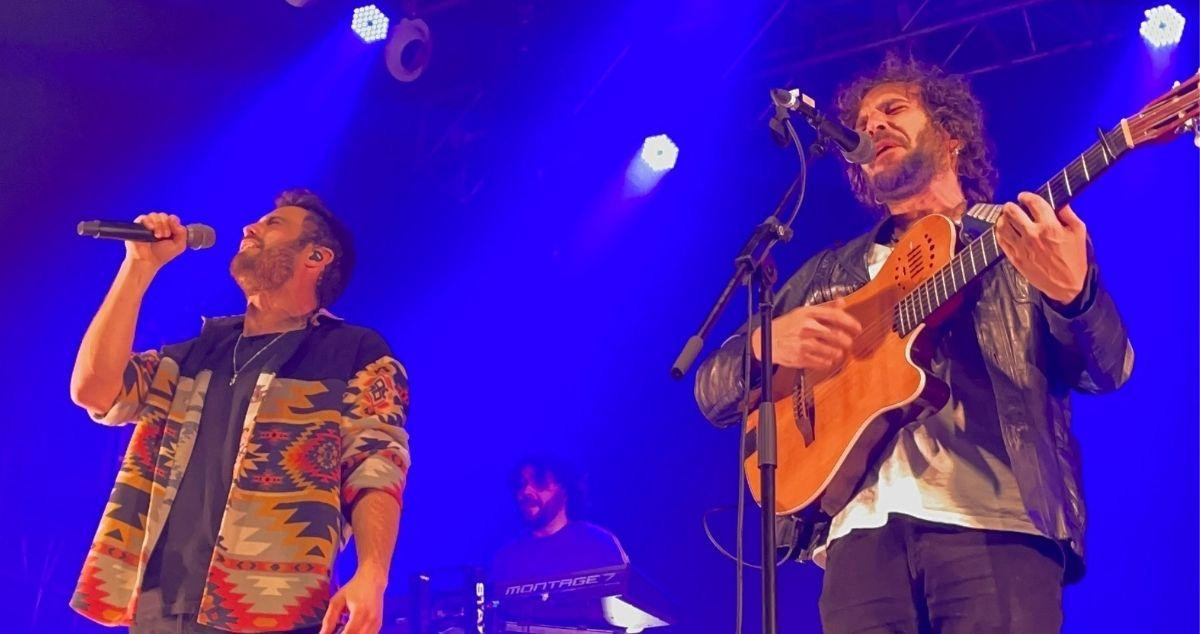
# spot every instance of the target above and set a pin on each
(856, 146)
(198, 236)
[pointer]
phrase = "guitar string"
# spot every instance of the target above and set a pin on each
(1143, 125)
(1138, 122)
(1152, 116)
(1166, 102)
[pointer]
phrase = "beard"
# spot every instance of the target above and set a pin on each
(910, 175)
(267, 270)
(543, 514)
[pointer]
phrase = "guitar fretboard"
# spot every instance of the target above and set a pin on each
(984, 251)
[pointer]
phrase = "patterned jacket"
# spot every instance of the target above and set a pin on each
(325, 423)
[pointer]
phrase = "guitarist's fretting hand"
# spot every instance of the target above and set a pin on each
(811, 337)
(1049, 250)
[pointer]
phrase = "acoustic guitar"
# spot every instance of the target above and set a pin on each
(831, 426)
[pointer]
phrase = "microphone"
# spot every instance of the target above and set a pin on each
(856, 146)
(198, 236)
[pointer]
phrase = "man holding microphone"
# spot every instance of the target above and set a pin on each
(259, 444)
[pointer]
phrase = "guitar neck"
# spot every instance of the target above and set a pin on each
(984, 251)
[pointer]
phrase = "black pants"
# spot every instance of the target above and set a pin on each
(912, 576)
(149, 619)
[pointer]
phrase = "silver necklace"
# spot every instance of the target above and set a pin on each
(236, 369)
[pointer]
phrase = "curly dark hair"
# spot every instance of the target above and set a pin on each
(951, 107)
(323, 229)
(564, 473)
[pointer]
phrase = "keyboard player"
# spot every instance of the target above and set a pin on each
(556, 543)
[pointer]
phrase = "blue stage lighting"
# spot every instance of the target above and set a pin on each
(1163, 26)
(370, 23)
(659, 153)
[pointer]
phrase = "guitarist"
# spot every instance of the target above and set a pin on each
(972, 518)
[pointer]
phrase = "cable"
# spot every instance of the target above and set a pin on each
(740, 532)
(802, 177)
(712, 539)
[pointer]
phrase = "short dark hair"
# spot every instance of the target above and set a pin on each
(323, 229)
(952, 108)
(565, 474)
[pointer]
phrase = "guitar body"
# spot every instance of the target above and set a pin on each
(853, 412)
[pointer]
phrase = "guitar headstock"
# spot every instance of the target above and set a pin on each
(1168, 116)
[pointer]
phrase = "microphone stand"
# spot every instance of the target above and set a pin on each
(753, 267)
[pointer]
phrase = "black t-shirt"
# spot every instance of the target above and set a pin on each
(180, 561)
(577, 547)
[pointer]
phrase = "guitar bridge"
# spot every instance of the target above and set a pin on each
(802, 408)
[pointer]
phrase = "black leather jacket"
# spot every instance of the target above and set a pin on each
(1036, 352)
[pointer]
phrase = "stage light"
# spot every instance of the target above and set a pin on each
(650, 164)
(408, 49)
(659, 153)
(370, 23)
(1162, 27)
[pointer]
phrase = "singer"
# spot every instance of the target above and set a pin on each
(258, 445)
(972, 518)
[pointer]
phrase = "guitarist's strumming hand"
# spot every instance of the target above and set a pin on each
(811, 337)
(1049, 250)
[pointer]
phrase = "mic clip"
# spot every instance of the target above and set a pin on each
(778, 131)
(819, 146)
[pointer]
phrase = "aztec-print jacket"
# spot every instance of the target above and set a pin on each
(325, 423)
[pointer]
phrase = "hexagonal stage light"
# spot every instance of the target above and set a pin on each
(1162, 27)
(370, 23)
(659, 153)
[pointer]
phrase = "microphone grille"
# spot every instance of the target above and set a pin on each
(200, 236)
(862, 153)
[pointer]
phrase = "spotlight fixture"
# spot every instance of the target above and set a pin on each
(656, 157)
(408, 49)
(1162, 27)
(370, 23)
(659, 153)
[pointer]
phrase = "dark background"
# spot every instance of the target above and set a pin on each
(535, 300)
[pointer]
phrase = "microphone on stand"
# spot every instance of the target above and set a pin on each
(198, 236)
(855, 146)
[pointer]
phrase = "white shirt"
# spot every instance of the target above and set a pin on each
(950, 467)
